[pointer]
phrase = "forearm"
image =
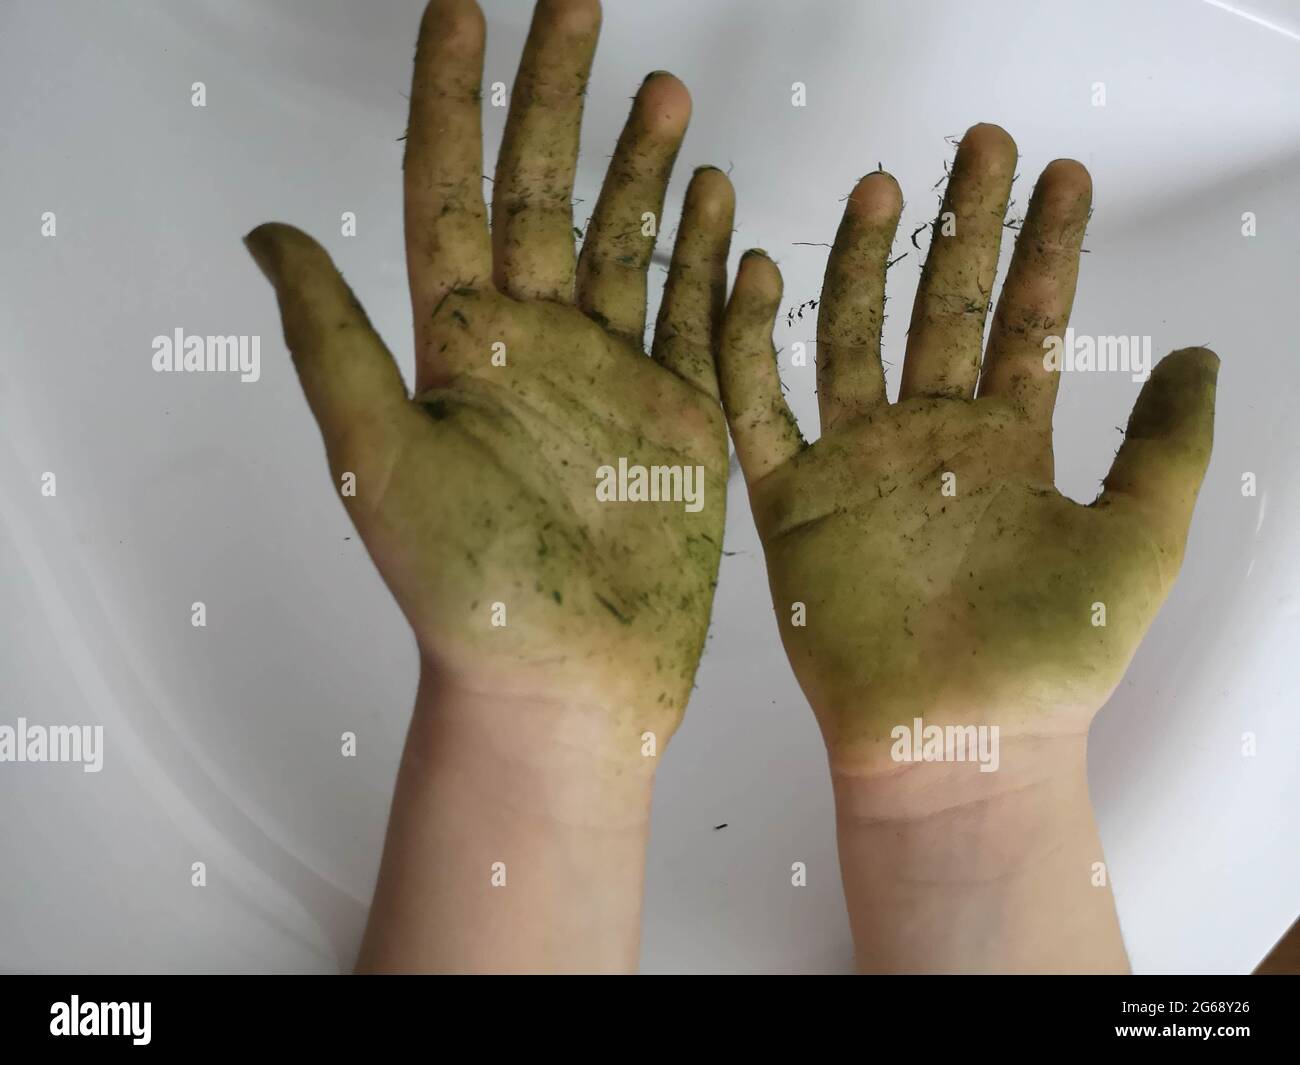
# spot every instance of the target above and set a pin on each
(947, 869)
(515, 844)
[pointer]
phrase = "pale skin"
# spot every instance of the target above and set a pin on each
(972, 606)
(558, 634)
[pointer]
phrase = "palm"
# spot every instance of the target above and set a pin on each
(491, 535)
(478, 498)
(985, 597)
(921, 560)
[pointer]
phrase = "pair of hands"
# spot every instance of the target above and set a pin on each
(966, 607)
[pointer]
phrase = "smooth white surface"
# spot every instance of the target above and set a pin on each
(222, 744)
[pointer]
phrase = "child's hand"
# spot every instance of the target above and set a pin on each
(478, 499)
(922, 562)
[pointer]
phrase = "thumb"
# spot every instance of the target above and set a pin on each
(350, 380)
(1166, 449)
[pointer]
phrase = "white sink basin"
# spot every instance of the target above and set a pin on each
(222, 743)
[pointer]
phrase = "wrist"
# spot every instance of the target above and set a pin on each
(950, 869)
(545, 757)
(516, 841)
(924, 770)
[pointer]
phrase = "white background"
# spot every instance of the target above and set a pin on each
(222, 743)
